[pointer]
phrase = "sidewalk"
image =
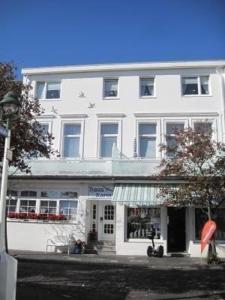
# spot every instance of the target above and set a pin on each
(166, 262)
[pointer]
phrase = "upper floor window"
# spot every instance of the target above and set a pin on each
(44, 128)
(48, 90)
(171, 129)
(147, 87)
(196, 85)
(71, 140)
(147, 140)
(203, 127)
(109, 135)
(71, 145)
(110, 88)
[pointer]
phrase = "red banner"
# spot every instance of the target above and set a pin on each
(207, 232)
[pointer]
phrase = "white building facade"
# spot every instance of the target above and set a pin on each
(108, 121)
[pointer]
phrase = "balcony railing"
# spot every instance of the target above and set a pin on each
(92, 168)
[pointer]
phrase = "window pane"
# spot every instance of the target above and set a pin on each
(147, 128)
(71, 147)
(172, 128)
(68, 208)
(190, 86)
(44, 128)
(140, 222)
(28, 194)
(109, 128)
(72, 129)
(204, 85)
(107, 145)
(110, 87)
(202, 127)
(147, 87)
(53, 90)
(148, 147)
(40, 90)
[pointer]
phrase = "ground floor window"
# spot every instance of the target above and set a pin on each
(48, 207)
(42, 205)
(141, 220)
(218, 215)
(68, 208)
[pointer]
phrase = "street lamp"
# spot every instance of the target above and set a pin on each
(9, 107)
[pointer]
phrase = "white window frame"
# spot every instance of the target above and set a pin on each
(104, 88)
(157, 135)
(38, 200)
(199, 85)
(26, 199)
(81, 146)
(119, 142)
(169, 121)
(147, 78)
(45, 90)
(207, 120)
(71, 217)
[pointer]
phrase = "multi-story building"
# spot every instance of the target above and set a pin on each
(108, 121)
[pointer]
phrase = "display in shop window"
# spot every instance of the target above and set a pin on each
(140, 222)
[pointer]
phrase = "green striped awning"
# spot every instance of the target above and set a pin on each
(136, 195)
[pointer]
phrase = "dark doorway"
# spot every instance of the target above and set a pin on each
(176, 236)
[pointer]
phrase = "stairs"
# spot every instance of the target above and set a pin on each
(102, 248)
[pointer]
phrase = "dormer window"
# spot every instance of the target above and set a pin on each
(48, 90)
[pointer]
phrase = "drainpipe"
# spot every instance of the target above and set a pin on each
(221, 72)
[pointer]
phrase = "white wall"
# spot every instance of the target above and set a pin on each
(168, 102)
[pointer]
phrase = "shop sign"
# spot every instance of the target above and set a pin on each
(100, 191)
(207, 232)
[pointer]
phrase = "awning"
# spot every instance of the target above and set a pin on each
(136, 195)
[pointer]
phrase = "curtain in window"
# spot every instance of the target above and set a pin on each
(71, 146)
(204, 85)
(148, 147)
(190, 86)
(40, 91)
(107, 146)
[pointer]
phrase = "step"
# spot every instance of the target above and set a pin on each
(178, 254)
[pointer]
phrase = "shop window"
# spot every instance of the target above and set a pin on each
(12, 193)
(68, 208)
(48, 207)
(218, 215)
(69, 195)
(11, 204)
(140, 222)
(27, 206)
(28, 194)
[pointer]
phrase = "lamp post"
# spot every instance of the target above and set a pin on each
(9, 106)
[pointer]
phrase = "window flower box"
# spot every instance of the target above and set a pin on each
(34, 216)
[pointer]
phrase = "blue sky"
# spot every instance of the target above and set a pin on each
(57, 32)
